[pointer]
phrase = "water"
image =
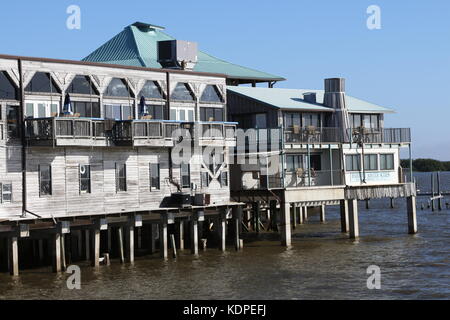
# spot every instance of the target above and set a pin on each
(322, 264)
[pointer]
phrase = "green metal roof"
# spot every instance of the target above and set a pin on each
(136, 46)
(293, 99)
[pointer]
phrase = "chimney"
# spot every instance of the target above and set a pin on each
(310, 97)
(177, 54)
(334, 93)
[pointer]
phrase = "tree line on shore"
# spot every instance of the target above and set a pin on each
(427, 165)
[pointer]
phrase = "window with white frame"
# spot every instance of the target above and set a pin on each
(353, 162)
(182, 114)
(387, 161)
(119, 111)
(85, 178)
(121, 177)
(41, 109)
(6, 192)
(371, 162)
(45, 180)
(154, 177)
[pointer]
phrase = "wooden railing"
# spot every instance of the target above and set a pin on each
(313, 135)
(384, 135)
(214, 130)
(143, 129)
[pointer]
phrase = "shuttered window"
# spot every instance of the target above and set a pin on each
(154, 177)
(45, 180)
(121, 177)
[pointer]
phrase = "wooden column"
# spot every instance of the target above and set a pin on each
(300, 214)
(109, 232)
(180, 228)
(13, 256)
(305, 213)
(294, 215)
(63, 252)
(87, 243)
(344, 216)
(96, 251)
(153, 230)
(120, 244)
(56, 252)
(273, 213)
(412, 214)
(130, 242)
(194, 233)
(41, 251)
(285, 224)
(163, 245)
(222, 226)
(322, 213)
(237, 216)
(353, 218)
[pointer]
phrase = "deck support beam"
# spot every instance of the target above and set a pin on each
(194, 232)
(344, 216)
(120, 244)
(412, 214)
(180, 228)
(237, 216)
(294, 215)
(353, 218)
(222, 224)
(285, 224)
(56, 252)
(130, 242)
(305, 214)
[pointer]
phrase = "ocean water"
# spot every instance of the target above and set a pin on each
(322, 264)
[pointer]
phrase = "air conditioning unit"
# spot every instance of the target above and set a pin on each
(177, 54)
(181, 200)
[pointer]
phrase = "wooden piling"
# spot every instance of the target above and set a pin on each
(237, 214)
(153, 230)
(285, 222)
(130, 242)
(293, 215)
(56, 252)
(300, 213)
(438, 176)
(163, 246)
(344, 216)
(87, 244)
(120, 244)
(392, 203)
(174, 247)
(194, 233)
(412, 214)
(322, 213)
(353, 218)
(13, 256)
(41, 251)
(274, 214)
(96, 247)
(222, 225)
(180, 230)
(63, 252)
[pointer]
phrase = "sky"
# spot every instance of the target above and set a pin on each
(404, 65)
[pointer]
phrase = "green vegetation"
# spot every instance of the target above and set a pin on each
(427, 165)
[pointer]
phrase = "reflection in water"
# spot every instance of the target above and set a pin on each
(322, 264)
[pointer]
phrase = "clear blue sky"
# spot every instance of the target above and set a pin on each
(405, 65)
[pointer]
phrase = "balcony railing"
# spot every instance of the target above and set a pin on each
(313, 135)
(128, 130)
(63, 128)
(216, 130)
(305, 178)
(385, 135)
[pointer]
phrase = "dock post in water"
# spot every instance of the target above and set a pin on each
(300, 213)
(163, 245)
(120, 244)
(153, 231)
(367, 204)
(344, 216)
(293, 215)
(392, 203)
(322, 213)
(180, 235)
(56, 252)
(13, 256)
(353, 218)
(194, 232)
(87, 242)
(432, 192)
(96, 249)
(439, 191)
(174, 245)
(237, 216)
(412, 214)
(305, 214)
(285, 224)
(273, 214)
(222, 229)
(130, 242)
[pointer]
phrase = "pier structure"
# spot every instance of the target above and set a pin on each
(307, 149)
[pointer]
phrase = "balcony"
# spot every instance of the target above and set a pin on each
(145, 133)
(384, 135)
(217, 134)
(65, 132)
(313, 135)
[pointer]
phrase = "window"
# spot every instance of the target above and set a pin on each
(352, 162)
(386, 162)
(370, 121)
(156, 111)
(292, 119)
(8, 90)
(211, 114)
(224, 179)
(118, 88)
(121, 177)
(260, 120)
(182, 93)
(315, 162)
(82, 85)
(42, 83)
(85, 178)
(86, 109)
(182, 114)
(6, 192)
(45, 180)
(154, 177)
(119, 111)
(205, 179)
(12, 117)
(41, 109)
(311, 119)
(211, 94)
(185, 175)
(370, 162)
(293, 162)
(152, 90)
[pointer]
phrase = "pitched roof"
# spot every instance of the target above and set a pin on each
(136, 45)
(293, 99)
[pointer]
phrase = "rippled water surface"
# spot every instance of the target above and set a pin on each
(322, 264)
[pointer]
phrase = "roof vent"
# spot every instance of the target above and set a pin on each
(177, 54)
(310, 97)
(145, 27)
